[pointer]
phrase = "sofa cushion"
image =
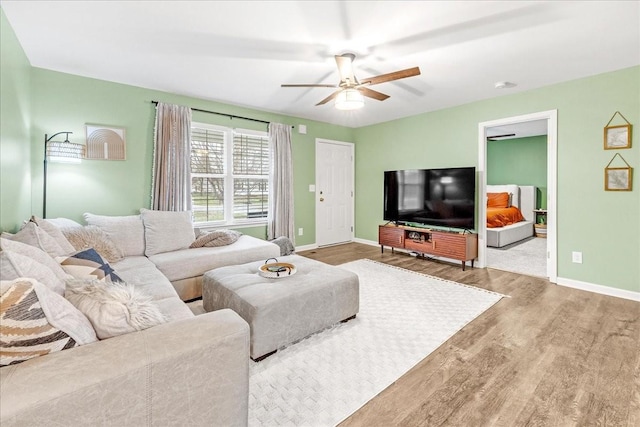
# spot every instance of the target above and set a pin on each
(64, 222)
(54, 232)
(94, 237)
(14, 265)
(187, 263)
(36, 321)
(166, 231)
(174, 309)
(33, 235)
(36, 254)
(143, 274)
(127, 232)
(114, 308)
(88, 264)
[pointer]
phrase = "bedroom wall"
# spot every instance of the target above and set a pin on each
(67, 102)
(602, 225)
(521, 161)
(15, 118)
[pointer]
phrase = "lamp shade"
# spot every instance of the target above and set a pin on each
(65, 151)
(349, 99)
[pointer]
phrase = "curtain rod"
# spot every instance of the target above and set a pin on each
(231, 116)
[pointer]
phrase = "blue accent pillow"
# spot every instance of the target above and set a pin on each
(88, 264)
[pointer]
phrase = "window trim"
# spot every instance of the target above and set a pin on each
(228, 178)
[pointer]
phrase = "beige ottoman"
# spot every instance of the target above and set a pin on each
(283, 310)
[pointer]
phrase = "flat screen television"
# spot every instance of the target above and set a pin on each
(438, 197)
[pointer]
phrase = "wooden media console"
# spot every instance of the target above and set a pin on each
(455, 245)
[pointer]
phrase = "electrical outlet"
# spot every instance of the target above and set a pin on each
(300, 231)
(576, 257)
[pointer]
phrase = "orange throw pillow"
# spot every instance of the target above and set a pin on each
(497, 200)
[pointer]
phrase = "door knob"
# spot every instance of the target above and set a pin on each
(322, 199)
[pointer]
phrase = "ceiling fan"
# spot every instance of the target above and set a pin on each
(351, 92)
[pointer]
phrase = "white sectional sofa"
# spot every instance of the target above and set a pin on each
(183, 266)
(191, 370)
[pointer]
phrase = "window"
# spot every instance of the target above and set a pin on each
(229, 175)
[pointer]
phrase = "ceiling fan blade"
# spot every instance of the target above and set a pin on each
(397, 75)
(307, 85)
(373, 94)
(345, 67)
(329, 98)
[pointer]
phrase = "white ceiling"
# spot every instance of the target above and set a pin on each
(240, 52)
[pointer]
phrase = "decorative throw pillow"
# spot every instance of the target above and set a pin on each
(88, 264)
(114, 308)
(33, 235)
(36, 254)
(497, 200)
(93, 237)
(127, 232)
(36, 321)
(14, 265)
(166, 231)
(54, 232)
(216, 238)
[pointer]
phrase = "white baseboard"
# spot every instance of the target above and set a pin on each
(599, 289)
(366, 242)
(306, 247)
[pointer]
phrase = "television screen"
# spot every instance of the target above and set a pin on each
(438, 197)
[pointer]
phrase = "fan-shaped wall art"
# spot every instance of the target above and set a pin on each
(105, 143)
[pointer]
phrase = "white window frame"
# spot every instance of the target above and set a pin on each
(229, 178)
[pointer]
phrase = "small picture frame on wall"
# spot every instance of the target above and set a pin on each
(616, 137)
(618, 179)
(105, 142)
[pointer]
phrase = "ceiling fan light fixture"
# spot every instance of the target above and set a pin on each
(505, 85)
(349, 99)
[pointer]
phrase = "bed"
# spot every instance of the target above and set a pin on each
(504, 224)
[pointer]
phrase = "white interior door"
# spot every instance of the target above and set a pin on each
(334, 192)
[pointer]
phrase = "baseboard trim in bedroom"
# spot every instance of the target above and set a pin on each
(306, 247)
(599, 289)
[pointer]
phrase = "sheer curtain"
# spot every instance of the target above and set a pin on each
(171, 174)
(280, 221)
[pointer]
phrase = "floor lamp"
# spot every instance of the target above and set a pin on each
(58, 151)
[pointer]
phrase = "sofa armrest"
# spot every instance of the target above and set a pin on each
(188, 372)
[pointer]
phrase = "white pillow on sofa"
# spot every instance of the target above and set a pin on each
(33, 235)
(36, 254)
(167, 231)
(113, 308)
(53, 231)
(127, 232)
(14, 265)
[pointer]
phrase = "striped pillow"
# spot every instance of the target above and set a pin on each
(36, 321)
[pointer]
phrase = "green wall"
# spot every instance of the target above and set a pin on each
(521, 161)
(604, 226)
(15, 119)
(68, 102)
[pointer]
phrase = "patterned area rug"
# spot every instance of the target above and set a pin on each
(321, 380)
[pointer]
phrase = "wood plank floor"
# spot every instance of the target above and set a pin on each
(547, 356)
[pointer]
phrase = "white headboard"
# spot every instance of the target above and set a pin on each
(528, 196)
(522, 196)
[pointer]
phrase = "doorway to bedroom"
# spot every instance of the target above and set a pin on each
(517, 176)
